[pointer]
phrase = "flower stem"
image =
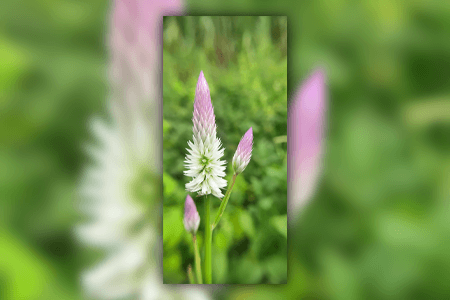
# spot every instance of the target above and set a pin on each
(223, 205)
(208, 240)
(198, 268)
(190, 275)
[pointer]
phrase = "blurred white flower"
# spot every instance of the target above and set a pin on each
(118, 222)
(120, 190)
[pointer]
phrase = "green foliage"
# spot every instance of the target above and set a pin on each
(244, 61)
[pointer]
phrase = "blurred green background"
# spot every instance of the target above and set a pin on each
(377, 228)
(52, 79)
(245, 64)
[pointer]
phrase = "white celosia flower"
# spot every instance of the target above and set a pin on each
(203, 161)
(119, 191)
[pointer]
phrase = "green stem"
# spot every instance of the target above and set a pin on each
(223, 205)
(190, 275)
(208, 240)
(198, 268)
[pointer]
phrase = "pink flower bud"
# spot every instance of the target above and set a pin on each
(191, 217)
(243, 152)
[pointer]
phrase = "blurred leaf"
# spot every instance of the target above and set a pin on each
(17, 261)
(248, 271)
(280, 224)
(220, 267)
(15, 61)
(277, 269)
(246, 221)
(172, 263)
(173, 228)
(170, 184)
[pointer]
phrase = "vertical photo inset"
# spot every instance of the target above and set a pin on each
(225, 150)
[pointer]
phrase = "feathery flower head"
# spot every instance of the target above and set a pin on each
(243, 152)
(305, 133)
(191, 219)
(203, 161)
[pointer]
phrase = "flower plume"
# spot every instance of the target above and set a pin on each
(243, 152)
(203, 161)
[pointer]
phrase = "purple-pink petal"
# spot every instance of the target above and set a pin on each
(306, 122)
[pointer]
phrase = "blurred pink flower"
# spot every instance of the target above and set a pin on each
(306, 124)
(127, 153)
(135, 49)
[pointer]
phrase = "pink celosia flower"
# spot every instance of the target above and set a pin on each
(305, 135)
(191, 219)
(135, 46)
(243, 152)
(203, 161)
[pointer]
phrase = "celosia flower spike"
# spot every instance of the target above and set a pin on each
(243, 152)
(203, 161)
(191, 217)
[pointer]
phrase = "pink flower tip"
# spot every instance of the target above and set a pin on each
(202, 91)
(243, 152)
(191, 217)
(204, 118)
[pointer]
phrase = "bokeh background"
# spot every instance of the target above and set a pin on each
(52, 79)
(378, 226)
(245, 64)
